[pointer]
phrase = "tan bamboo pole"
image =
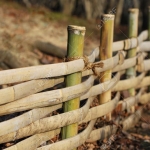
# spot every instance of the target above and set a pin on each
(106, 41)
(149, 38)
(133, 32)
(74, 49)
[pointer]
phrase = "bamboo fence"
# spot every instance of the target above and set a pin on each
(36, 125)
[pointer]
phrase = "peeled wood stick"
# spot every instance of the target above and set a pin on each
(99, 111)
(146, 65)
(44, 71)
(31, 87)
(36, 72)
(49, 123)
(34, 141)
(100, 88)
(108, 130)
(73, 142)
(61, 120)
(31, 73)
(79, 139)
(127, 63)
(130, 43)
(42, 99)
(144, 47)
(112, 62)
(132, 119)
(126, 84)
(129, 102)
(100, 134)
(145, 98)
(145, 82)
(47, 98)
(27, 88)
(5, 75)
(25, 132)
(34, 86)
(25, 119)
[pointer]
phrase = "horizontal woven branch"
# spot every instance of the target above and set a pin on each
(79, 139)
(59, 96)
(60, 120)
(60, 69)
(47, 98)
(26, 119)
(130, 43)
(125, 84)
(107, 131)
(34, 141)
(28, 88)
(144, 47)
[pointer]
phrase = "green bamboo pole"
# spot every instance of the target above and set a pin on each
(74, 49)
(149, 38)
(106, 41)
(133, 32)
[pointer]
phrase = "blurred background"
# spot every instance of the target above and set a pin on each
(34, 32)
(92, 9)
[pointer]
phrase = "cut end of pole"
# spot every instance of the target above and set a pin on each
(78, 30)
(134, 10)
(73, 27)
(107, 17)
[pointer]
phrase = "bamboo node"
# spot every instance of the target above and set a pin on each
(88, 65)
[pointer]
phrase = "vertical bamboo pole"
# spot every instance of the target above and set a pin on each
(133, 32)
(106, 40)
(74, 49)
(149, 38)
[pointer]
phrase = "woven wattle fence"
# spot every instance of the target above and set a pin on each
(35, 126)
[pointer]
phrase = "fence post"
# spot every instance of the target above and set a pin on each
(133, 32)
(106, 41)
(74, 49)
(149, 38)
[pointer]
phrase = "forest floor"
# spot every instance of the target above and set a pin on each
(21, 26)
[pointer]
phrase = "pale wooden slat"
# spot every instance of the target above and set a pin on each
(73, 142)
(60, 120)
(25, 89)
(47, 98)
(145, 98)
(25, 119)
(34, 141)
(107, 131)
(126, 84)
